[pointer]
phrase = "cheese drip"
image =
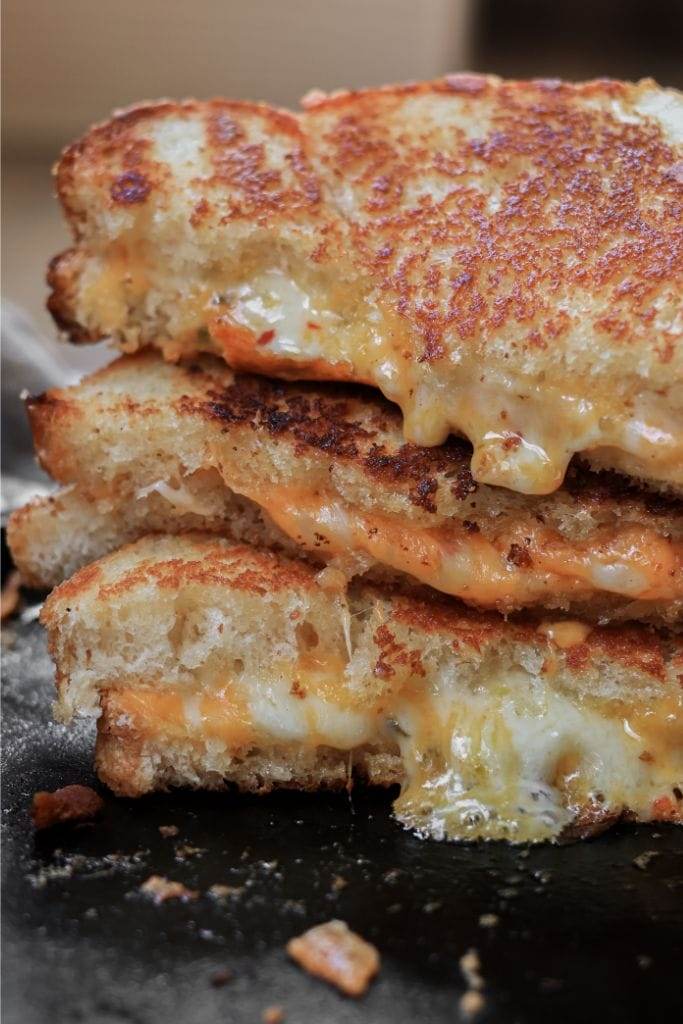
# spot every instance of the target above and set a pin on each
(524, 434)
(523, 431)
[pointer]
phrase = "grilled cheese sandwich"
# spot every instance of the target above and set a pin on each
(502, 259)
(151, 446)
(207, 662)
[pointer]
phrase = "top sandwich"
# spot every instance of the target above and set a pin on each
(503, 259)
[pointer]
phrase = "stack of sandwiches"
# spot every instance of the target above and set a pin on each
(387, 480)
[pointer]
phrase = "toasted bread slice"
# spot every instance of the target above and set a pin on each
(211, 662)
(152, 446)
(503, 259)
(52, 537)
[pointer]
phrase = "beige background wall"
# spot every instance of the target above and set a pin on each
(68, 62)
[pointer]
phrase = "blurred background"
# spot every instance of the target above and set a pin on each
(67, 63)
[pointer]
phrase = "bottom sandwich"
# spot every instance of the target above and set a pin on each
(210, 663)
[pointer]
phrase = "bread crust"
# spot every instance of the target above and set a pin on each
(352, 132)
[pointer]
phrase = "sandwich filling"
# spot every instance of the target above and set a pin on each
(523, 432)
(200, 655)
(633, 562)
(519, 760)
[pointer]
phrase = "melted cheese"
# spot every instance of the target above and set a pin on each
(178, 495)
(524, 770)
(117, 287)
(523, 436)
(636, 563)
(566, 633)
(517, 759)
(223, 715)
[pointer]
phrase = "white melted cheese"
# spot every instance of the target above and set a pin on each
(180, 496)
(517, 760)
(519, 767)
(278, 303)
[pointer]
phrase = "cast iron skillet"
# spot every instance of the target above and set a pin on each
(588, 932)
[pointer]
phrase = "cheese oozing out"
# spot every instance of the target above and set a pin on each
(634, 562)
(523, 434)
(518, 758)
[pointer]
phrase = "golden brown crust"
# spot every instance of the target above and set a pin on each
(197, 559)
(555, 217)
(590, 199)
(332, 421)
(237, 161)
(631, 646)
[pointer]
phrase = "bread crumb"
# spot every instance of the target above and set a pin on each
(222, 977)
(220, 891)
(186, 851)
(273, 1015)
(470, 966)
(162, 889)
(471, 1004)
(338, 883)
(71, 803)
(488, 920)
(168, 831)
(472, 1001)
(642, 861)
(333, 952)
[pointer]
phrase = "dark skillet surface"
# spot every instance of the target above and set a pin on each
(583, 934)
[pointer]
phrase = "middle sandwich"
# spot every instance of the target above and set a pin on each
(324, 470)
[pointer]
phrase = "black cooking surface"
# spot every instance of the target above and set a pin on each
(583, 933)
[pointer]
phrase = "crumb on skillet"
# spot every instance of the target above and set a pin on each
(333, 952)
(71, 803)
(161, 889)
